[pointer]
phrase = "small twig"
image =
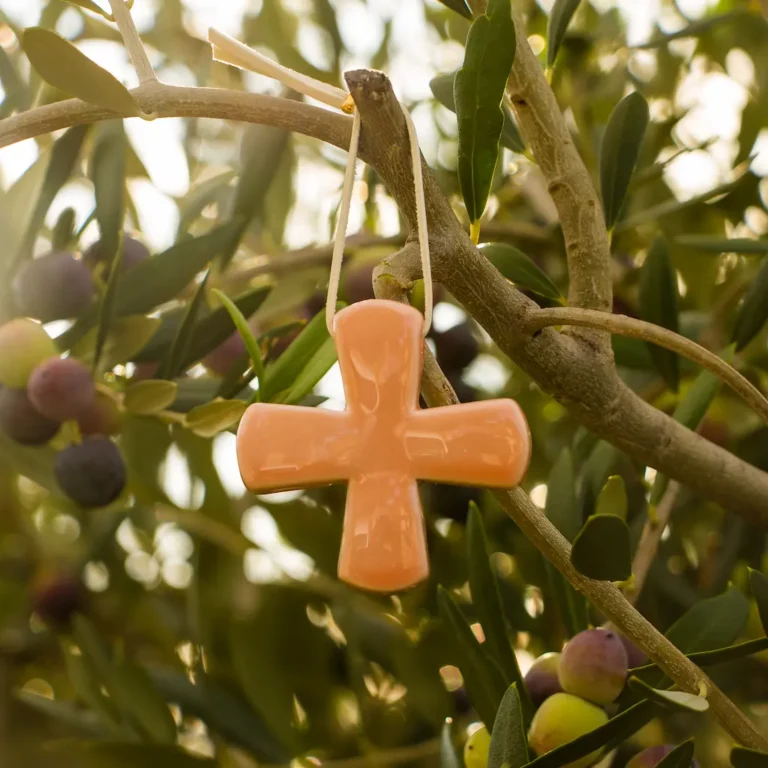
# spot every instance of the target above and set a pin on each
(132, 41)
(649, 541)
(639, 329)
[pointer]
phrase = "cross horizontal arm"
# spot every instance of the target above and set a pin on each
(282, 447)
(484, 443)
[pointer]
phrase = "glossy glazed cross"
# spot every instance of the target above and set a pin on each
(382, 444)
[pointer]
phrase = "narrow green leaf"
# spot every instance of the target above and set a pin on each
(753, 312)
(602, 550)
(677, 700)
(460, 6)
(89, 5)
(266, 689)
(680, 757)
(718, 656)
(759, 585)
(200, 197)
(63, 233)
(16, 94)
(147, 707)
(127, 337)
(520, 269)
(690, 412)
(562, 509)
(509, 747)
(261, 153)
(478, 91)
(658, 305)
(741, 757)
(711, 624)
(619, 152)
(317, 366)
(65, 154)
(487, 601)
(281, 375)
(88, 687)
(106, 308)
(559, 18)
(448, 756)
(719, 245)
(613, 733)
(613, 498)
(108, 174)
(63, 66)
(251, 345)
(152, 396)
(442, 89)
(179, 348)
(212, 418)
(484, 684)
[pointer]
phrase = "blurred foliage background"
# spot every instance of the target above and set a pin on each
(224, 604)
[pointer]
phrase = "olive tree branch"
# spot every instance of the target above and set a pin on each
(577, 375)
(122, 15)
(649, 541)
(639, 329)
(608, 599)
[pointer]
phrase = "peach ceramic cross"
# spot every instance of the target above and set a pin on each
(382, 444)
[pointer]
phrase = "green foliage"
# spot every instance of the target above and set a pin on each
(619, 152)
(478, 90)
(658, 305)
(559, 18)
(680, 757)
(214, 617)
(64, 67)
(508, 744)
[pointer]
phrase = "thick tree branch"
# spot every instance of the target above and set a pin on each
(638, 329)
(437, 391)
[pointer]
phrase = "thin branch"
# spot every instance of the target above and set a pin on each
(130, 34)
(657, 521)
(581, 216)
(437, 391)
(639, 329)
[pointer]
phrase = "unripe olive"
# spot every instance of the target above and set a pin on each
(61, 389)
(220, 360)
(651, 757)
(541, 680)
(562, 718)
(102, 417)
(594, 666)
(24, 344)
(54, 287)
(476, 749)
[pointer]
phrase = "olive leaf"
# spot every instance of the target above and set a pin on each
(214, 417)
(759, 585)
(152, 396)
(619, 151)
(613, 498)
(448, 756)
(63, 66)
(741, 757)
(509, 747)
(677, 700)
(602, 550)
(460, 6)
(478, 91)
(442, 89)
(89, 5)
(559, 18)
(487, 601)
(658, 305)
(741, 245)
(753, 312)
(520, 269)
(680, 757)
